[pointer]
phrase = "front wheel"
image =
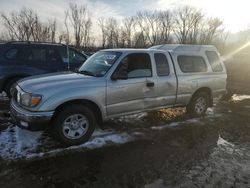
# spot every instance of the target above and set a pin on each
(74, 125)
(198, 105)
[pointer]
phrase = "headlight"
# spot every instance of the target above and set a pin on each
(30, 100)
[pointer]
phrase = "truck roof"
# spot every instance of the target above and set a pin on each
(167, 47)
(183, 47)
(131, 50)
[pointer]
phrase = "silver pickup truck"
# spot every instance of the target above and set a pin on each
(118, 82)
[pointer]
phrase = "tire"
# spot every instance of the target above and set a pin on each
(74, 125)
(9, 85)
(198, 105)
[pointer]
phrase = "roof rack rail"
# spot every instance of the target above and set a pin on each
(32, 42)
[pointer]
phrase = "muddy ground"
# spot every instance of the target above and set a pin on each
(158, 149)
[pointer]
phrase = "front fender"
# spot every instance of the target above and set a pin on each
(93, 94)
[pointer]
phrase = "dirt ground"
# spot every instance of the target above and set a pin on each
(158, 149)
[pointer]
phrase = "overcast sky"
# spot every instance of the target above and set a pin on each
(235, 14)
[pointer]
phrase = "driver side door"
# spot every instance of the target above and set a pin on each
(130, 94)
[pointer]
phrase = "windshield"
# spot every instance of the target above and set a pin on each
(99, 64)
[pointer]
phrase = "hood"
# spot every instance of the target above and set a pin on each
(58, 81)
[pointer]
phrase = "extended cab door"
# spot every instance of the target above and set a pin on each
(166, 81)
(136, 89)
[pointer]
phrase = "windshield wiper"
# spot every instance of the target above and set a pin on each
(86, 73)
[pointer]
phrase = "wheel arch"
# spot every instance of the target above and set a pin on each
(88, 103)
(206, 90)
(13, 77)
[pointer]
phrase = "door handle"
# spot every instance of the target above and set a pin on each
(150, 84)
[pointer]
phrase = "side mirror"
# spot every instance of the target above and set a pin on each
(121, 72)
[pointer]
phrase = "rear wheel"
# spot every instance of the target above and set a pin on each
(198, 105)
(74, 125)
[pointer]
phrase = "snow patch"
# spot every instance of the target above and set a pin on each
(240, 97)
(210, 111)
(94, 143)
(225, 145)
(189, 121)
(174, 124)
(138, 134)
(16, 143)
(130, 118)
(27, 140)
(223, 142)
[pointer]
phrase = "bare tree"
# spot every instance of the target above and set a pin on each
(65, 35)
(3, 36)
(148, 23)
(53, 28)
(80, 22)
(166, 23)
(140, 40)
(25, 25)
(187, 23)
(212, 27)
(127, 31)
(110, 32)
(101, 24)
(16, 24)
(155, 26)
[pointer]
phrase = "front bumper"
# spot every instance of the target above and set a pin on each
(33, 121)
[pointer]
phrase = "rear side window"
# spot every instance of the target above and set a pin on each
(53, 56)
(13, 54)
(63, 53)
(37, 54)
(162, 66)
(214, 61)
(189, 64)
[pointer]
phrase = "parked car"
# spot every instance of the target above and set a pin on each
(118, 82)
(22, 59)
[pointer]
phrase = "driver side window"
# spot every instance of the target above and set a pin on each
(138, 65)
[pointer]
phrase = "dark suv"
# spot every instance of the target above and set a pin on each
(22, 59)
